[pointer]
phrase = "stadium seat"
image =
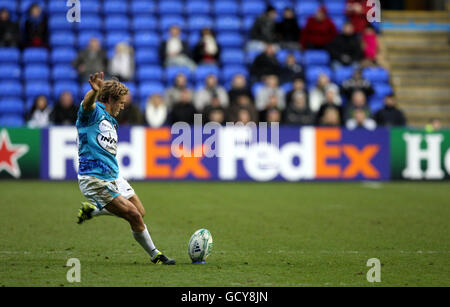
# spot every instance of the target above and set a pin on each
(313, 72)
(252, 8)
(280, 5)
(115, 7)
(25, 5)
(256, 87)
(146, 39)
(227, 23)
(117, 22)
(282, 55)
(93, 6)
(306, 8)
(91, 22)
(113, 38)
(225, 7)
(143, 7)
(170, 7)
(316, 57)
(336, 8)
(35, 55)
(230, 40)
(251, 56)
(36, 72)
(287, 87)
(149, 73)
(167, 21)
(63, 55)
(12, 121)
(85, 36)
(59, 23)
(11, 88)
(338, 22)
(198, 8)
(62, 39)
(64, 72)
(205, 70)
(229, 71)
(144, 23)
(197, 23)
(342, 74)
(172, 71)
(145, 56)
(11, 6)
(248, 22)
(57, 7)
(232, 56)
(11, 106)
(10, 72)
(193, 39)
(376, 74)
(65, 86)
(36, 88)
(375, 104)
(382, 90)
(147, 89)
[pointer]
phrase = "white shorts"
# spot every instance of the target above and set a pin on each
(101, 192)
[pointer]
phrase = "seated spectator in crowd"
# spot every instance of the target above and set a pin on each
(291, 70)
(433, 125)
(239, 87)
(244, 116)
(298, 112)
(319, 31)
(273, 115)
(9, 30)
(242, 102)
(265, 64)
(356, 12)
(358, 101)
(270, 95)
(174, 51)
(298, 87)
(204, 96)
(35, 29)
(330, 103)
(131, 114)
(317, 94)
(360, 121)
(390, 115)
(207, 51)
(356, 83)
(122, 64)
(183, 110)
(346, 48)
(172, 94)
(214, 112)
(64, 112)
(330, 118)
(90, 60)
(156, 111)
(39, 115)
(263, 30)
(370, 45)
(288, 31)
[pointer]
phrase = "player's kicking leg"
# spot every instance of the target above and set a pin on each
(125, 209)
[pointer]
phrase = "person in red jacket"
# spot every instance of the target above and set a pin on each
(319, 31)
(357, 14)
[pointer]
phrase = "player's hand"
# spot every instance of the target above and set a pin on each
(96, 81)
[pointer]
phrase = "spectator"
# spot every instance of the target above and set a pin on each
(330, 118)
(357, 83)
(433, 125)
(271, 95)
(360, 120)
(242, 102)
(172, 95)
(122, 64)
(35, 29)
(273, 115)
(298, 88)
(174, 51)
(390, 115)
(65, 112)
(238, 88)
(298, 112)
(207, 51)
(90, 60)
(358, 101)
(204, 96)
(131, 114)
(288, 31)
(243, 116)
(329, 103)
(319, 31)
(346, 48)
(263, 30)
(317, 94)
(156, 111)
(357, 14)
(39, 115)
(183, 110)
(214, 112)
(291, 70)
(265, 64)
(370, 44)
(9, 30)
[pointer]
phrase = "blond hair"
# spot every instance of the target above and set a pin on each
(112, 89)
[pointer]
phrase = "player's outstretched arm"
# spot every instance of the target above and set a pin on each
(96, 82)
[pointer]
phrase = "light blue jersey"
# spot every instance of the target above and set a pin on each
(97, 143)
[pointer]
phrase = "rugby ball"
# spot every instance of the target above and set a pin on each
(200, 245)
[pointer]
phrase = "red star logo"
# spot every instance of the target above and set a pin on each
(9, 154)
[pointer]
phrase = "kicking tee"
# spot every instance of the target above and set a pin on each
(97, 143)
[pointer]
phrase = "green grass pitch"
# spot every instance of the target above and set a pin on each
(265, 234)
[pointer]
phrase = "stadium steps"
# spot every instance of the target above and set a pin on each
(419, 62)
